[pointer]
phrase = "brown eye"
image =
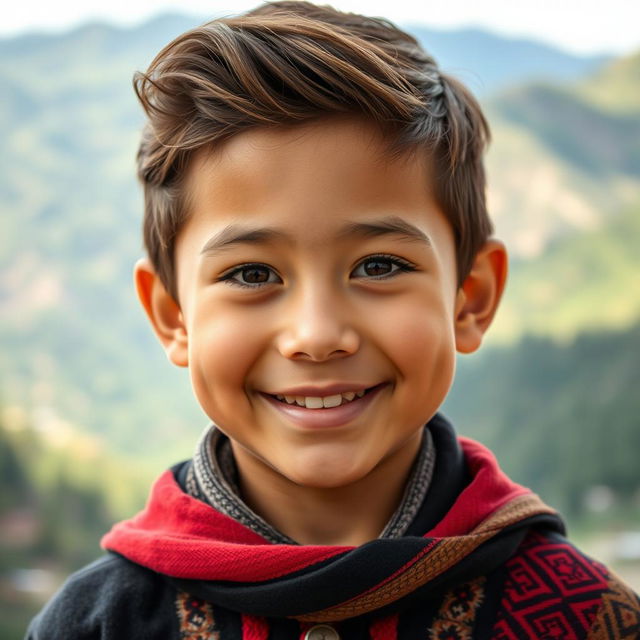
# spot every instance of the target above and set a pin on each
(250, 276)
(255, 275)
(377, 267)
(381, 267)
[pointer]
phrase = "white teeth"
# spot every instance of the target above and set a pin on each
(332, 401)
(321, 402)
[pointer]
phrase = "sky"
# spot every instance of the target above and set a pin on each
(579, 26)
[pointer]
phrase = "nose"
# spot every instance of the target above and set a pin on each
(318, 328)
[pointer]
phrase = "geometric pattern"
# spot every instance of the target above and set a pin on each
(195, 618)
(553, 592)
(619, 615)
(437, 557)
(457, 614)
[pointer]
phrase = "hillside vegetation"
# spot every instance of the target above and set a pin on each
(60, 494)
(563, 158)
(615, 86)
(587, 281)
(91, 410)
(77, 345)
(562, 417)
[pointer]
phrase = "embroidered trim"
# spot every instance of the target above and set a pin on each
(457, 614)
(618, 617)
(195, 618)
(192, 484)
(415, 491)
(210, 478)
(220, 493)
(435, 559)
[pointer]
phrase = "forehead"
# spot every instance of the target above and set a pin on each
(308, 178)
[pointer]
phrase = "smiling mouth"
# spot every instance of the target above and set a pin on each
(324, 402)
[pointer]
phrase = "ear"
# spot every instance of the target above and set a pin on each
(163, 312)
(478, 297)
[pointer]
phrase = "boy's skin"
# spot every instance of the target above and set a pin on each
(320, 476)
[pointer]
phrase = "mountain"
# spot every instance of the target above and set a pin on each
(95, 41)
(554, 391)
(488, 62)
(615, 86)
(590, 136)
(564, 176)
(586, 281)
(564, 159)
(76, 345)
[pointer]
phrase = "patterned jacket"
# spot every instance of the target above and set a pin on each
(482, 558)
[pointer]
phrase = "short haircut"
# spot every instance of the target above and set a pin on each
(293, 62)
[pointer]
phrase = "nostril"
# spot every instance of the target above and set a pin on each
(320, 342)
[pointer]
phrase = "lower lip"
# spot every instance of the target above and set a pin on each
(325, 418)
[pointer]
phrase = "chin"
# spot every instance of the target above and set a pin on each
(326, 475)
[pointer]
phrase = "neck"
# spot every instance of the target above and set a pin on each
(347, 515)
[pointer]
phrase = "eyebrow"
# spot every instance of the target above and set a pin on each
(390, 225)
(234, 234)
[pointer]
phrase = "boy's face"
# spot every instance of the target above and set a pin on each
(313, 266)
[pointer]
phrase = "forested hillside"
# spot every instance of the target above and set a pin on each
(92, 410)
(590, 280)
(60, 493)
(564, 158)
(561, 416)
(77, 344)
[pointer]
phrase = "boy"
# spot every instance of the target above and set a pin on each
(318, 249)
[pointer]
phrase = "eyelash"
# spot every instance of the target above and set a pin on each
(402, 265)
(228, 277)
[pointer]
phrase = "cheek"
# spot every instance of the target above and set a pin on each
(222, 350)
(421, 343)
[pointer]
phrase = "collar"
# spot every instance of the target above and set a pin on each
(471, 521)
(213, 478)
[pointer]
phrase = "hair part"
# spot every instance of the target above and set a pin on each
(292, 62)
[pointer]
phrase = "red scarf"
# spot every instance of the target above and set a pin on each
(184, 538)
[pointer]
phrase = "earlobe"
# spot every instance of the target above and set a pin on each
(479, 296)
(163, 312)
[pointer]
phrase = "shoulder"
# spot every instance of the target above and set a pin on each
(552, 588)
(109, 599)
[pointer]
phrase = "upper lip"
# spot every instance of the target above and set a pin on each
(315, 391)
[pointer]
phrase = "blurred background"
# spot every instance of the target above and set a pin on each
(91, 412)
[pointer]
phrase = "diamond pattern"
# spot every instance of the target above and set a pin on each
(553, 592)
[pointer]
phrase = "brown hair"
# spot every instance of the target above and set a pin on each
(292, 62)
